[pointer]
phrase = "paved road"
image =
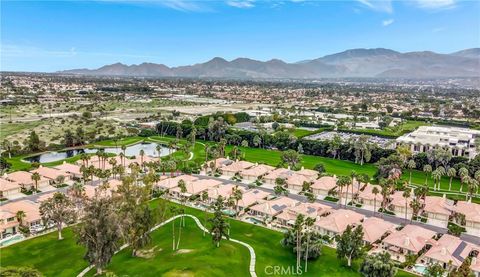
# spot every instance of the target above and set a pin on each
(367, 213)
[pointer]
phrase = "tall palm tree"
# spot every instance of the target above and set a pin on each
(159, 151)
(142, 155)
(237, 195)
(411, 165)
(309, 223)
(341, 183)
(205, 200)
(463, 174)
(353, 176)
(35, 178)
(124, 149)
(436, 176)
(472, 186)
(451, 172)
(427, 169)
(375, 191)
(477, 177)
(406, 195)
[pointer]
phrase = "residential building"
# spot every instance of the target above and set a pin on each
(375, 229)
(411, 240)
(438, 210)
(254, 173)
(471, 211)
(460, 141)
(25, 180)
(235, 167)
(337, 222)
(271, 208)
(324, 185)
(313, 210)
(9, 189)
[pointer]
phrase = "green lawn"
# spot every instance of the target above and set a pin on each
(203, 258)
(8, 129)
(47, 254)
(64, 258)
(396, 131)
(124, 141)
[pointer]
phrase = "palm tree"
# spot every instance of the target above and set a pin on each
(142, 155)
(353, 176)
(406, 195)
(159, 151)
(36, 177)
(477, 177)
(298, 227)
(124, 148)
(20, 215)
(375, 191)
(427, 169)
(237, 194)
(416, 205)
(342, 182)
(463, 173)
(309, 223)
(451, 172)
(205, 199)
(436, 176)
(411, 165)
(472, 186)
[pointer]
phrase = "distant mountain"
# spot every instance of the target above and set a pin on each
(379, 62)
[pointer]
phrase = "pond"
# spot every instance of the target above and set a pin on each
(132, 150)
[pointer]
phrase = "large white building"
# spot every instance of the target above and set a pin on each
(461, 141)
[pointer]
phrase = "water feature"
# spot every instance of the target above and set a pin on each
(150, 149)
(420, 268)
(12, 239)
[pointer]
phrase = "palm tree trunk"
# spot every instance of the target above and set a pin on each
(173, 234)
(306, 253)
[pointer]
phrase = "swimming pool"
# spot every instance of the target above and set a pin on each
(12, 239)
(254, 220)
(420, 268)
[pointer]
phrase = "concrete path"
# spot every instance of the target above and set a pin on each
(203, 228)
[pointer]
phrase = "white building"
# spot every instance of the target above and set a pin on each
(461, 141)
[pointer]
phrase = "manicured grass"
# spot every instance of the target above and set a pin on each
(9, 129)
(64, 258)
(124, 141)
(203, 257)
(396, 131)
(47, 254)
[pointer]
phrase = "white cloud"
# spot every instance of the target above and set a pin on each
(378, 5)
(387, 22)
(179, 5)
(243, 4)
(435, 4)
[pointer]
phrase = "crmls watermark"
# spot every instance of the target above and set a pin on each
(282, 270)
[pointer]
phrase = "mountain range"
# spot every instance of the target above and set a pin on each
(367, 63)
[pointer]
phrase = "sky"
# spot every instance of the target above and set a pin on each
(46, 36)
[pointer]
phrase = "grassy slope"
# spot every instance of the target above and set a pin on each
(64, 258)
(406, 127)
(8, 129)
(204, 259)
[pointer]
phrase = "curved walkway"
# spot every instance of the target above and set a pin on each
(203, 228)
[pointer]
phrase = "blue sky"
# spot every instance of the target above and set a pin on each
(49, 36)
